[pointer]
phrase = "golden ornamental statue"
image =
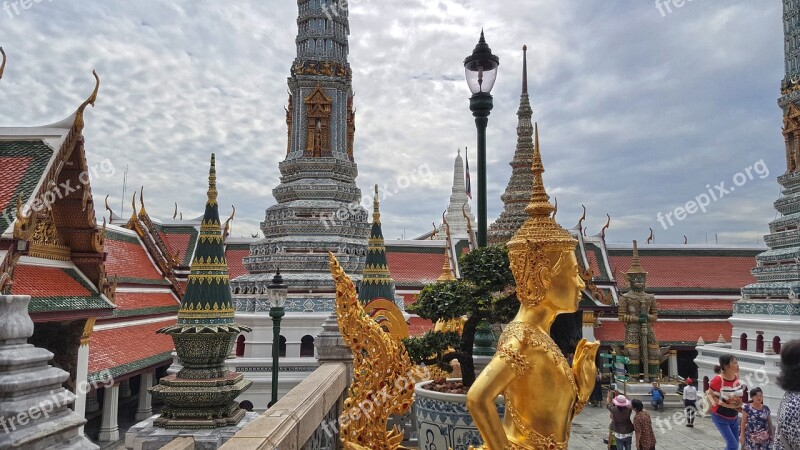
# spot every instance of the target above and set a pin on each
(638, 311)
(542, 392)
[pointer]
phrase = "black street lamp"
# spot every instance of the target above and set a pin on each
(277, 298)
(481, 72)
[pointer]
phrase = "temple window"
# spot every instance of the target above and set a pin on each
(307, 346)
(760, 343)
(743, 342)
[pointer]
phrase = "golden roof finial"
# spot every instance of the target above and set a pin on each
(227, 228)
(89, 101)
(175, 214)
(540, 228)
(608, 224)
(2, 64)
(473, 245)
(133, 207)
(212, 181)
(142, 211)
(555, 207)
(651, 237)
(376, 207)
(580, 221)
(110, 212)
(636, 265)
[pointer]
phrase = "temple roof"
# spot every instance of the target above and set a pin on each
(669, 333)
(119, 350)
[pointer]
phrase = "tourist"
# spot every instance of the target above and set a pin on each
(788, 435)
(756, 428)
(690, 402)
(657, 397)
(597, 392)
(643, 425)
(727, 393)
(621, 425)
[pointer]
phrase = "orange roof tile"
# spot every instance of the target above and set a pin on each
(415, 268)
(409, 299)
(127, 348)
(418, 326)
(142, 300)
(699, 272)
(130, 260)
(696, 305)
(235, 266)
(40, 281)
(688, 331)
(14, 169)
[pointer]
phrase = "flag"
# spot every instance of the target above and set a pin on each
(468, 181)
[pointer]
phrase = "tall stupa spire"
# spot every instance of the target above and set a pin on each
(459, 203)
(317, 207)
(518, 192)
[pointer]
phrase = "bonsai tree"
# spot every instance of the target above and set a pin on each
(485, 292)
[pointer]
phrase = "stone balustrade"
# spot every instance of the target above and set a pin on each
(306, 418)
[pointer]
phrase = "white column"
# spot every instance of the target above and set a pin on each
(145, 409)
(81, 383)
(673, 363)
(125, 389)
(109, 429)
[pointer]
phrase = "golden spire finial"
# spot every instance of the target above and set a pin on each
(376, 207)
(540, 227)
(636, 265)
(2, 64)
(89, 101)
(212, 181)
(447, 271)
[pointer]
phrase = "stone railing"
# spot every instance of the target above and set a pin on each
(306, 418)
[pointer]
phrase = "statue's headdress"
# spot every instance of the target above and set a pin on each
(538, 236)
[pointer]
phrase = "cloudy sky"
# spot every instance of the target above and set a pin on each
(639, 108)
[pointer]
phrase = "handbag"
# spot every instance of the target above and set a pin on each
(760, 437)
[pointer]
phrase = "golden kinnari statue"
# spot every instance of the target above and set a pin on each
(542, 392)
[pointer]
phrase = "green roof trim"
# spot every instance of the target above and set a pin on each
(413, 250)
(133, 280)
(70, 303)
(117, 236)
(146, 311)
(40, 154)
(710, 253)
(237, 247)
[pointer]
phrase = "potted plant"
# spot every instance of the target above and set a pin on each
(485, 293)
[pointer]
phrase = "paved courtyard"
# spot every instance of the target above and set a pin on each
(589, 429)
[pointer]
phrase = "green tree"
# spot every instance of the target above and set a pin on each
(486, 291)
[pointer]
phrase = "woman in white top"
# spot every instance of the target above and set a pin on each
(690, 402)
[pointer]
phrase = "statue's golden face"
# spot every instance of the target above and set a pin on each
(562, 290)
(565, 286)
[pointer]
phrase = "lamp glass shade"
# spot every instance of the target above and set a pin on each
(481, 75)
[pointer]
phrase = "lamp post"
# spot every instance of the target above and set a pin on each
(277, 298)
(481, 72)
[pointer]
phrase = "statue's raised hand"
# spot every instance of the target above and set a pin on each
(584, 368)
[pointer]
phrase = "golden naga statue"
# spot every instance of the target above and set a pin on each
(542, 392)
(383, 376)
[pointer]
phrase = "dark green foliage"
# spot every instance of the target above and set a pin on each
(486, 291)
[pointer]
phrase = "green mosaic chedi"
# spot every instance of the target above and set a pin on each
(376, 282)
(202, 393)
